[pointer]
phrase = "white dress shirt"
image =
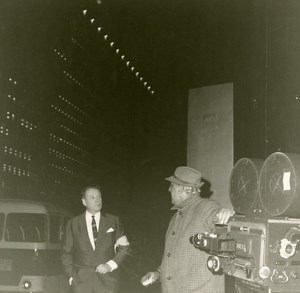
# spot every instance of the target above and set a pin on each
(88, 218)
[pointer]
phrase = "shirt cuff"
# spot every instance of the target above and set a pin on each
(112, 264)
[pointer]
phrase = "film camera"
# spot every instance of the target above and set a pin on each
(260, 246)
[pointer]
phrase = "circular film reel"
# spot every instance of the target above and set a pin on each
(279, 189)
(243, 190)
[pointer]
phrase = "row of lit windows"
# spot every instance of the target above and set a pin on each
(66, 114)
(72, 132)
(10, 116)
(68, 129)
(3, 130)
(59, 139)
(60, 155)
(72, 78)
(64, 169)
(61, 55)
(16, 153)
(15, 171)
(71, 104)
(24, 123)
(12, 81)
(11, 97)
(27, 124)
(76, 43)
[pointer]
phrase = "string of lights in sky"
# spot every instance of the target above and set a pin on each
(122, 56)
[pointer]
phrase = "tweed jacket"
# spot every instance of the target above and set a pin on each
(183, 267)
(80, 259)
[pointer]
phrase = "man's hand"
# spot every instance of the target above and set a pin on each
(150, 278)
(223, 215)
(103, 268)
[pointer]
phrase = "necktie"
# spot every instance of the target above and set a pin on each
(94, 228)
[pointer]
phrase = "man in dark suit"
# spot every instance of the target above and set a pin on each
(95, 245)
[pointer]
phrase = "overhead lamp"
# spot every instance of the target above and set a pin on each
(84, 12)
(112, 44)
(105, 37)
(117, 51)
(99, 29)
(92, 20)
(122, 57)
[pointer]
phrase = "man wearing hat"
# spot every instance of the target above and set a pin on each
(183, 268)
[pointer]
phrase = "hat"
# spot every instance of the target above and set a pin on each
(186, 176)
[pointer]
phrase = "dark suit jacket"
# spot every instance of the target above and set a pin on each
(80, 260)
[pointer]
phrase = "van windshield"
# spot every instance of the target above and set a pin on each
(25, 227)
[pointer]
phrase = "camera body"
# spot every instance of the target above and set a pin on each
(260, 245)
(262, 252)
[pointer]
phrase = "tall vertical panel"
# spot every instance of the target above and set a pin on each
(267, 73)
(283, 72)
(210, 136)
(250, 80)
